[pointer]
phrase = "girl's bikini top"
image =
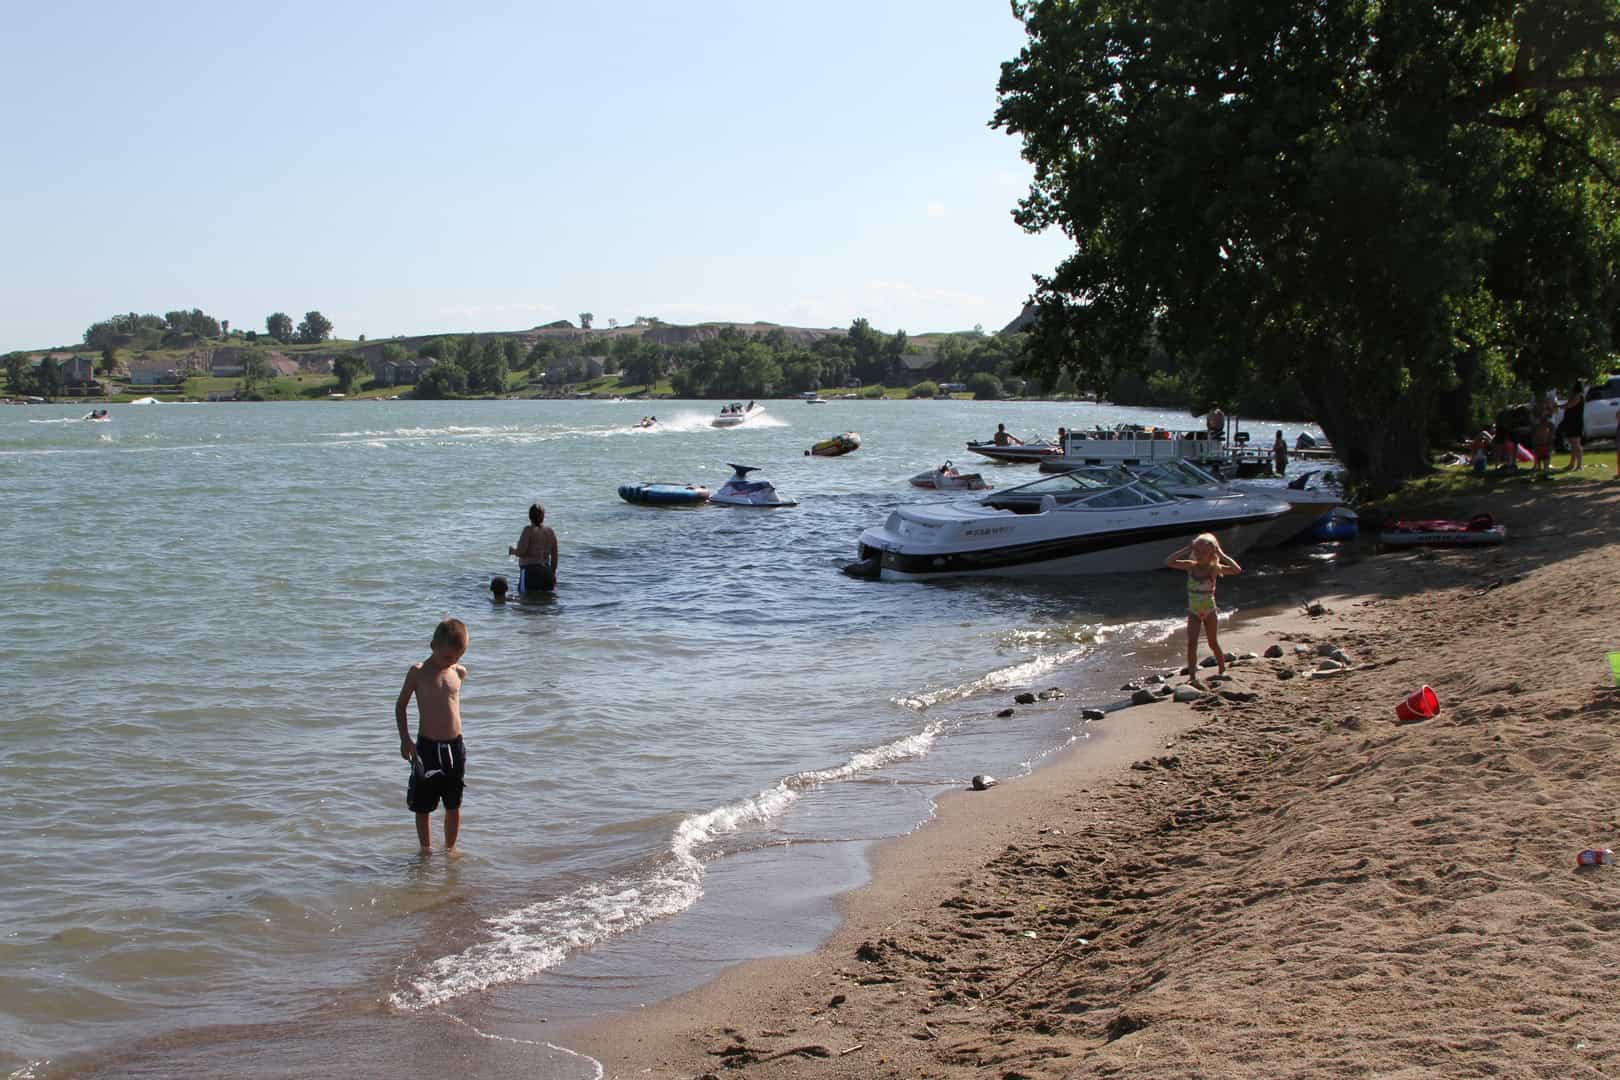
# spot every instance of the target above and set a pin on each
(1197, 586)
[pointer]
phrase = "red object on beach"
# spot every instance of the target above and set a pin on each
(1595, 857)
(1419, 705)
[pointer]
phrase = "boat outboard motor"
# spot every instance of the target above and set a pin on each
(868, 569)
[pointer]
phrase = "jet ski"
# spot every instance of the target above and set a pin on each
(741, 491)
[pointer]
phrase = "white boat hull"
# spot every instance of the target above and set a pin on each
(916, 547)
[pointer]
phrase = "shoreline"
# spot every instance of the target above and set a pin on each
(1205, 889)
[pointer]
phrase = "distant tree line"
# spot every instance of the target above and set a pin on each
(157, 331)
(313, 329)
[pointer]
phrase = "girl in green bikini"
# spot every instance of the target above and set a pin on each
(1205, 564)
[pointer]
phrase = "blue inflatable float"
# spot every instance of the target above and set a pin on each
(664, 494)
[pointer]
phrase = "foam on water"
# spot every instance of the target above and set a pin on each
(525, 941)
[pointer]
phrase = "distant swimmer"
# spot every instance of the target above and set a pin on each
(497, 590)
(536, 552)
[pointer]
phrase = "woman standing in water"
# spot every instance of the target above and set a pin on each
(536, 551)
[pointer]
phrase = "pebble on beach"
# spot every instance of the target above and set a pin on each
(982, 782)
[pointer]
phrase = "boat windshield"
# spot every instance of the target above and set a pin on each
(1179, 472)
(1101, 488)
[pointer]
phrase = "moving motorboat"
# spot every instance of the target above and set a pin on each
(948, 478)
(1189, 481)
(812, 397)
(1088, 521)
(1025, 453)
(735, 413)
(741, 491)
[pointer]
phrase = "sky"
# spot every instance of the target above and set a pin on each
(416, 167)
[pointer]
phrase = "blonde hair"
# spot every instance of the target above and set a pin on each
(1211, 540)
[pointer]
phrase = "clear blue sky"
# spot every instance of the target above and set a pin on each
(414, 167)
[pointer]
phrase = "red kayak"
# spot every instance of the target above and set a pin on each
(1480, 530)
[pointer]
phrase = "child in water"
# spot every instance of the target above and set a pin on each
(1205, 564)
(497, 590)
(438, 759)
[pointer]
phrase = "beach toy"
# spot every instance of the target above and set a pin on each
(1595, 857)
(1419, 705)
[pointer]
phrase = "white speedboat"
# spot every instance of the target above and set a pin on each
(1089, 521)
(735, 413)
(948, 478)
(741, 491)
(1189, 481)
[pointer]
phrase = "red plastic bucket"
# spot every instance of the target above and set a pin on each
(1419, 705)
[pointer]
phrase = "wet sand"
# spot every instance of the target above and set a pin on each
(1288, 883)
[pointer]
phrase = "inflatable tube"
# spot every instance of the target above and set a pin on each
(664, 494)
(835, 445)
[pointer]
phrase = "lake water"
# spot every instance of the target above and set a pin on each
(673, 765)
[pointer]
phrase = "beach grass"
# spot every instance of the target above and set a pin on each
(1448, 490)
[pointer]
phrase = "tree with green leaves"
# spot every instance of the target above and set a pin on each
(48, 377)
(314, 328)
(1392, 205)
(279, 325)
(444, 379)
(585, 318)
(255, 368)
(641, 366)
(19, 374)
(348, 368)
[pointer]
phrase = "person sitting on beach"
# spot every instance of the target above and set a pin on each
(497, 590)
(1205, 563)
(1003, 437)
(536, 551)
(437, 756)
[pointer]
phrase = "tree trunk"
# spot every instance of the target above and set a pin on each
(1381, 445)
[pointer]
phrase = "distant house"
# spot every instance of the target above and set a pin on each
(152, 376)
(78, 371)
(226, 363)
(917, 366)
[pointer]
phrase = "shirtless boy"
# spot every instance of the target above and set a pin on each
(438, 761)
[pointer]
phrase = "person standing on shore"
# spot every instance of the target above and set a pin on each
(1279, 453)
(1574, 428)
(536, 551)
(437, 756)
(1205, 564)
(1541, 443)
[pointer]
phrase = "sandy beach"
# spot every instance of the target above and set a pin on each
(1286, 881)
